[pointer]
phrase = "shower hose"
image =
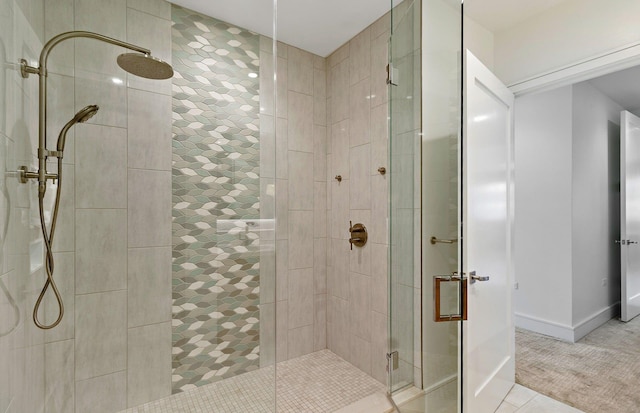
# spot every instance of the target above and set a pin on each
(49, 263)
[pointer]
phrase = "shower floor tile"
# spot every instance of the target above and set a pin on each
(320, 382)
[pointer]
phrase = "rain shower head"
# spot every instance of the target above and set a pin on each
(82, 116)
(145, 65)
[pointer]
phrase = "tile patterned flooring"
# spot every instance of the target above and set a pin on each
(322, 382)
(519, 400)
(523, 400)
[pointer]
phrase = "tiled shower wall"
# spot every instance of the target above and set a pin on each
(357, 147)
(216, 200)
(301, 201)
(22, 347)
(112, 349)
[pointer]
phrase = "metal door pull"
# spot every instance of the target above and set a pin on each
(475, 277)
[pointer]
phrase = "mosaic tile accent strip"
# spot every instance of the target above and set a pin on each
(319, 382)
(216, 187)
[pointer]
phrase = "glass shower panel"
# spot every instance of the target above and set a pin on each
(404, 152)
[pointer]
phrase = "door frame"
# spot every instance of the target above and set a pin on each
(602, 64)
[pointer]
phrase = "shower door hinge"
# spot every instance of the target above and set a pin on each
(392, 361)
(392, 75)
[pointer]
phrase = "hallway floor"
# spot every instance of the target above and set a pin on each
(598, 374)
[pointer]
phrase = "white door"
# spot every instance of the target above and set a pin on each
(488, 335)
(630, 215)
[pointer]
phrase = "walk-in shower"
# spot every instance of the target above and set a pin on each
(140, 64)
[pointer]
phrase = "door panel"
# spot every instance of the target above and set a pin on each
(488, 335)
(630, 215)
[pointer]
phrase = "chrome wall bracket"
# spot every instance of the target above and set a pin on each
(24, 174)
(26, 70)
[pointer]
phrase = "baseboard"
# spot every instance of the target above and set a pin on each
(595, 320)
(563, 331)
(546, 327)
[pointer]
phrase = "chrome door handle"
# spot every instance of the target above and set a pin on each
(631, 242)
(473, 277)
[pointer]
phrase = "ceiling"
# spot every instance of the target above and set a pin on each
(318, 26)
(497, 15)
(622, 87)
(321, 26)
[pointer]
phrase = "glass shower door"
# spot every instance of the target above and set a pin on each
(424, 126)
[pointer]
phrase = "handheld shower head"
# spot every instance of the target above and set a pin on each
(145, 65)
(82, 116)
(86, 113)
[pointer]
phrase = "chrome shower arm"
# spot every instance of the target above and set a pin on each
(53, 42)
(41, 71)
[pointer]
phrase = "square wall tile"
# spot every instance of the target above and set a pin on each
(282, 270)
(300, 117)
(339, 84)
(65, 236)
(320, 209)
(360, 113)
(104, 394)
(267, 334)
(301, 181)
(379, 280)
(92, 88)
(64, 276)
(149, 286)
(154, 33)
(101, 250)
(58, 18)
(300, 70)
(300, 239)
(319, 153)
(300, 298)
(360, 306)
(282, 330)
(106, 17)
(149, 212)
(319, 97)
(360, 56)
(101, 165)
(59, 377)
(159, 8)
(149, 120)
(300, 341)
(281, 149)
(340, 150)
(320, 322)
(282, 209)
(101, 335)
(360, 177)
(149, 363)
(320, 266)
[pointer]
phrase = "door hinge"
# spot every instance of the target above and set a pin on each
(392, 75)
(392, 361)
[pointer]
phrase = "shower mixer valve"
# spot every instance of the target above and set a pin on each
(358, 235)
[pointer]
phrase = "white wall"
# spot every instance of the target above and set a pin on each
(567, 215)
(573, 31)
(596, 209)
(543, 209)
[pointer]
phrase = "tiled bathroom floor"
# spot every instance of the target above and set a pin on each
(319, 382)
(519, 400)
(322, 382)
